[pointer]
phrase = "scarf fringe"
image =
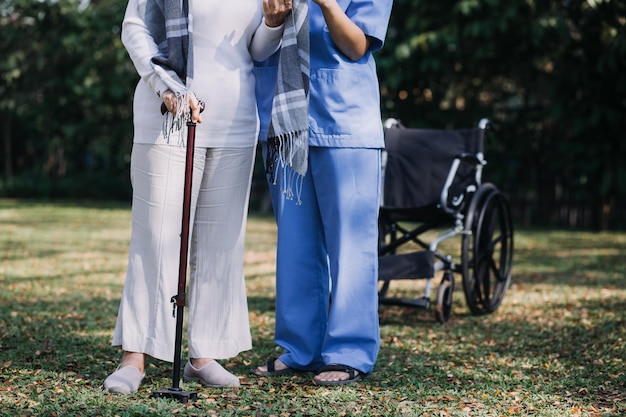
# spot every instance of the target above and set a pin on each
(173, 123)
(289, 154)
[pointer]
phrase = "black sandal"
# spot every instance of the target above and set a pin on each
(271, 369)
(354, 375)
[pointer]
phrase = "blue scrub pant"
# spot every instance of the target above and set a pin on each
(327, 262)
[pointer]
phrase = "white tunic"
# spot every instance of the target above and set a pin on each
(227, 36)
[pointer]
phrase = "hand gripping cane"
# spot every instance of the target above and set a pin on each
(178, 300)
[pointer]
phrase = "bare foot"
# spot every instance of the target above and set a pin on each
(337, 374)
(332, 376)
(200, 363)
(135, 359)
(278, 366)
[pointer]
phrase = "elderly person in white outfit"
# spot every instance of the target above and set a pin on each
(215, 44)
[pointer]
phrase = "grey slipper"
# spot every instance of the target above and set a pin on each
(124, 380)
(211, 375)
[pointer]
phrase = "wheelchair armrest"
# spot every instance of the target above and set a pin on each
(475, 160)
(472, 159)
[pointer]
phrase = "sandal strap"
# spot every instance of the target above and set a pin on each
(270, 365)
(352, 372)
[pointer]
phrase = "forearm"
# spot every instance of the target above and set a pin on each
(347, 36)
(266, 41)
(268, 36)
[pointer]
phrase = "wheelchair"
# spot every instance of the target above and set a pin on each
(432, 186)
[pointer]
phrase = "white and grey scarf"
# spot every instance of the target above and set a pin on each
(169, 23)
(288, 134)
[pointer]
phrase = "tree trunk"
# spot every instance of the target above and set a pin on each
(6, 141)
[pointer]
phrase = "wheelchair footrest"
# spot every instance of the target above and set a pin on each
(406, 266)
(408, 302)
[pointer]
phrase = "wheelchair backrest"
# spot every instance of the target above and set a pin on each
(416, 164)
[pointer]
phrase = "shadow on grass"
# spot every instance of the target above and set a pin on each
(73, 334)
(261, 305)
(580, 356)
(61, 336)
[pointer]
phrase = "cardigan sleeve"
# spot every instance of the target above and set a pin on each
(141, 46)
(266, 41)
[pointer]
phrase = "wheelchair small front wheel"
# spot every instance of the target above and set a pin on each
(443, 309)
(487, 253)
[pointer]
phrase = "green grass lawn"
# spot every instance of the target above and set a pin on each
(555, 347)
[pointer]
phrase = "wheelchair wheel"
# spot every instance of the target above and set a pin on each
(487, 253)
(443, 309)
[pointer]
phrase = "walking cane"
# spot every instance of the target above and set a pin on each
(175, 391)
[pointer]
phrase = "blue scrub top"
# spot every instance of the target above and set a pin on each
(344, 100)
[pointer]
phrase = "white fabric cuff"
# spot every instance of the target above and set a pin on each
(266, 41)
(158, 86)
(277, 29)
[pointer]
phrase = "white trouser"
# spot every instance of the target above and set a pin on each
(217, 311)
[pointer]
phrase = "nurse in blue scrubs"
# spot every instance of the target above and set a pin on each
(327, 251)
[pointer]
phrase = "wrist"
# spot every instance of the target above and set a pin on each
(273, 24)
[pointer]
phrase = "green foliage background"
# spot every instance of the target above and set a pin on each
(66, 109)
(548, 74)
